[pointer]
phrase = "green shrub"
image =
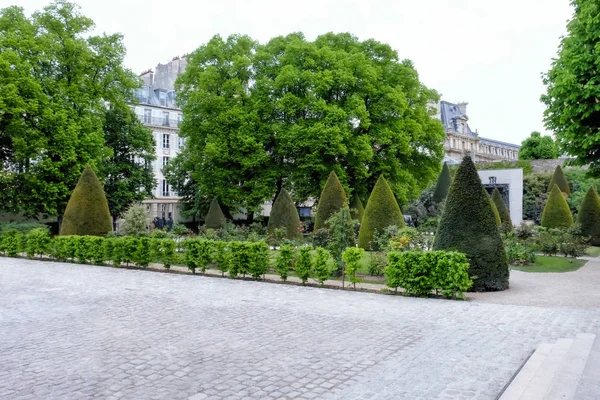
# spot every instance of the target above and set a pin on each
(259, 258)
(123, 250)
(572, 243)
(321, 237)
(377, 263)
(589, 216)
(357, 210)
(215, 217)
(89, 249)
(199, 253)
(442, 185)
(240, 259)
(502, 209)
(221, 256)
(87, 210)
(341, 231)
(143, 253)
(333, 199)
(518, 252)
(560, 180)
(285, 261)
(22, 227)
(495, 212)
(382, 211)
(421, 273)
(12, 242)
(285, 215)
(525, 231)
(37, 242)
(468, 226)
(352, 256)
(303, 266)
(136, 221)
(164, 252)
(64, 248)
(322, 270)
(534, 196)
(556, 212)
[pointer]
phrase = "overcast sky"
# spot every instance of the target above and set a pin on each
(487, 53)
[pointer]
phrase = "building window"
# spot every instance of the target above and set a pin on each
(165, 118)
(165, 161)
(147, 116)
(181, 142)
(463, 145)
(454, 143)
(165, 188)
(166, 140)
(162, 97)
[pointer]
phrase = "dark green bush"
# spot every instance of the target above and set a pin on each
(285, 261)
(560, 180)
(333, 199)
(495, 212)
(284, 215)
(12, 242)
(502, 209)
(588, 217)
(357, 210)
(215, 217)
(221, 256)
(442, 185)
(557, 213)
(321, 237)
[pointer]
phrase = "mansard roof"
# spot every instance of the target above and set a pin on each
(450, 115)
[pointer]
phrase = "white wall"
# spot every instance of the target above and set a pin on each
(514, 178)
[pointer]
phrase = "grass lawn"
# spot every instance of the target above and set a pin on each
(551, 264)
(593, 251)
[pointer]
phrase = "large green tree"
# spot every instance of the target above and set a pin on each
(573, 87)
(292, 110)
(538, 147)
(55, 81)
(128, 171)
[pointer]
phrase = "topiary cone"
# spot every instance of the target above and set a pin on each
(502, 209)
(557, 213)
(558, 178)
(443, 184)
(468, 225)
(215, 217)
(285, 215)
(495, 211)
(333, 199)
(356, 208)
(382, 211)
(87, 212)
(589, 216)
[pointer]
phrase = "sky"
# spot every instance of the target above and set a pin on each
(488, 53)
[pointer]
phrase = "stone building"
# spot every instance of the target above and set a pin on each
(461, 140)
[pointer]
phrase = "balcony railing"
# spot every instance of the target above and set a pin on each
(158, 121)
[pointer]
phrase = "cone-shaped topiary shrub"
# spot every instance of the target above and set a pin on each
(469, 226)
(559, 179)
(382, 211)
(356, 208)
(557, 213)
(333, 199)
(502, 209)
(285, 215)
(443, 184)
(494, 211)
(87, 211)
(589, 216)
(215, 217)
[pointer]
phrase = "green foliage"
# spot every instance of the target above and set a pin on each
(321, 237)
(258, 254)
(89, 249)
(304, 264)
(136, 221)
(558, 178)
(321, 269)
(589, 217)
(143, 253)
(284, 215)
(37, 242)
(442, 185)
(215, 219)
(356, 208)
(12, 242)
(569, 241)
(180, 230)
(221, 256)
(332, 200)
(382, 211)
(163, 251)
(352, 256)
(199, 253)
(285, 261)
(22, 227)
(240, 259)
(524, 164)
(535, 196)
(64, 248)
(87, 211)
(538, 147)
(502, 209)
(377, 263)
(468, 226)
(556, 212)
(421, 273)
(341, 231)
(580, 180)
(56, 78)
(494, 211)
(518, 246)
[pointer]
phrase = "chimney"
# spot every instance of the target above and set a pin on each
(462, 106)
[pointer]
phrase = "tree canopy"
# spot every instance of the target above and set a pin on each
(572, 96)
(258, 116)
(55, 81)
(538, 147)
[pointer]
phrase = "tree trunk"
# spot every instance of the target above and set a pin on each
(279, 186)
(114, 220)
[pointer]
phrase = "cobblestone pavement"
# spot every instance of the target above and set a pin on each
(70, 332)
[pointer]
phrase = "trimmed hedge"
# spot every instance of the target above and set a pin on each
(589, 216)
(421, 273)
(468, 226)
(443, 185)
(285, 215)
(557, 213)
(215, 217)
(558, 178)
(502, 209)
(357, 210)
(87, 211)
(382, 211)
(333, 199)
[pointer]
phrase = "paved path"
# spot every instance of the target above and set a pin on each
(69, 331)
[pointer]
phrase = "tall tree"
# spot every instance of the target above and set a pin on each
(55, 82)
(128, 171)
(573, 89)
(538, 147)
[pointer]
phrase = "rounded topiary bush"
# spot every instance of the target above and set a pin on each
(558, 178)
(285, 215)
(502, 209)
(557, 213)
(215, 217)
(333, 199)
(468, 225)
(382, 211)
(87, 212)
(589, 216)
(356, 208)
(443, 184)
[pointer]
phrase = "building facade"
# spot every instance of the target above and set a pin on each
(461, 140)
